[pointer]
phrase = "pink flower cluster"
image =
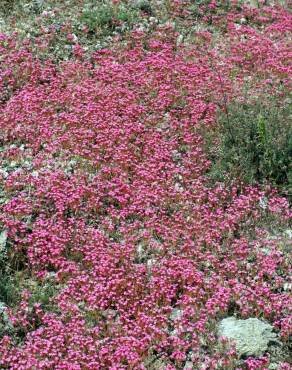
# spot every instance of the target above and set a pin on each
(111, 198)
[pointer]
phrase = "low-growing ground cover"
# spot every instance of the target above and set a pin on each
(133, 218)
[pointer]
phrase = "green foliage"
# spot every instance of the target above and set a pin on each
(103, 17)
(44, 295)
(255, 143)
(196, 8)
(107, 18)
(200, 8)
(8, 293)
(126, 15)
(144, 6)
(57, 25)
(11, 286)
(34, 7)
(13, 281)
(6, 6)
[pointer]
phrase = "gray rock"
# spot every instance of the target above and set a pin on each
(288, 233)
(179, 40)
(51, 275)
(252, 3)
(2, 307)
(3, 239)
(287, 287)
(153, 363)
(251, 336)
(5, 323)
(4, 173)
(140, 251)
(176, 314)
(273, 366)
(188, 365)
(13, 164)
(263, 203)
(150, 263)
(265, 251)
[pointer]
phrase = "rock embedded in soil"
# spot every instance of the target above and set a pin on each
(5, 324)
(3, 239)
(176, 314)
(188, 365)
(252, 336)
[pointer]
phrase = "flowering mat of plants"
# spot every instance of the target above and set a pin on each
(118, 248)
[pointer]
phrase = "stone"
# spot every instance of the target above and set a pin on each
(287, 287)
(154, 363)
(288, 233)
(251, 336)
(273, 366)
(2, 307)
(150, 263)
(188, 365)
(252, 3)
(178, 188)
(3, 239)
(179, 40)
(4, 173)
(176, 314)
(5, 323)
(140, 251)
(265, 251)
(13, 164)
(263, 202)
(158, 365)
